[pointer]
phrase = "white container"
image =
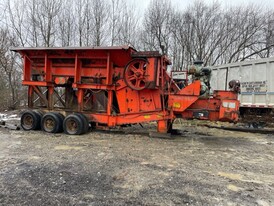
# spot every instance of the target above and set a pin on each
(256, 77)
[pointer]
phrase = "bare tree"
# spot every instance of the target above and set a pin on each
(34, 36)
(217, 35)
(203, 31)
(129, 27)
(66, 24)
(269, 34)
(46, 19)
(115, 19)
(198, 32)
(16, 16)
(9, 67)
(248, 24)
(264, 40)
(88, 24)
(157, 25)
(80, 21)
(91, 22)
(99, 14)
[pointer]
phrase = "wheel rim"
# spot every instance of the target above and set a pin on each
(49, 124)
(71, 126)
(27, 121)
(135, 74)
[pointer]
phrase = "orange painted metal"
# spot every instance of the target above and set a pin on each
(213, 109)
(116, 86)
(185, 97)
(162, 126)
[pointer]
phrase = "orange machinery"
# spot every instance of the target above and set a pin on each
(72, 89)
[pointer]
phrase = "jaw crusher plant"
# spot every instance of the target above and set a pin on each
(73, 89)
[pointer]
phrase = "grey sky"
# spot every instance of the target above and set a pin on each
(143, 4)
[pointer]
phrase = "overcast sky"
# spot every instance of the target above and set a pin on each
(143, 4)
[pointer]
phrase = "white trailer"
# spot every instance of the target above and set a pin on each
(257, 83)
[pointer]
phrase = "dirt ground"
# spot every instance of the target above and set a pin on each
(201, 166)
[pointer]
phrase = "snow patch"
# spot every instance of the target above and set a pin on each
(6, 117)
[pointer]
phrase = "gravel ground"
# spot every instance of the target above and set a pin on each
(202, 166)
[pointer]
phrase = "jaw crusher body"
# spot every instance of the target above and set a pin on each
(112, 86)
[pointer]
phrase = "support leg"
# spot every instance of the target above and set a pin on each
(164, 126)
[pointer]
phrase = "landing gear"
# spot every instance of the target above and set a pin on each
(164, 126)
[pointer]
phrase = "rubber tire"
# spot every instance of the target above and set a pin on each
(58, 123)
(61, 118)
(78, 123)
(39, 114)
(35, 117)
(85, 122)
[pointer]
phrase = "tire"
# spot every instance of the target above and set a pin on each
(52, 122)
(39, 115)
(30, 120)
(73, 125)
(61, 119)
(85, 122)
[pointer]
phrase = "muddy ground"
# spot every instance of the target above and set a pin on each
(202, 166)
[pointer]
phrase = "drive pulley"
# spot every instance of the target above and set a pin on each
(135, 74)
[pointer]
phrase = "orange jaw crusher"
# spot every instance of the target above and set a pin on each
(71, 89)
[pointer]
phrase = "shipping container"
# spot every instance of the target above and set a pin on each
(257, 83)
